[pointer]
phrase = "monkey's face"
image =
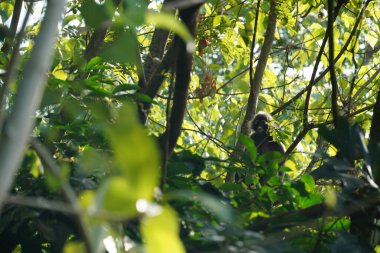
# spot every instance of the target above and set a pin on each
(260, 125)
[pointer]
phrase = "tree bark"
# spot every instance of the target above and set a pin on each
(257, 79)
(97, 38)
(184, 62)
(260, 68)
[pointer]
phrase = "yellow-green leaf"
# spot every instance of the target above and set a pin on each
(161, 233)
(74, 247)
(118, 196)
(372, 38)
(59, 73)
(136, 154)
(170, 23)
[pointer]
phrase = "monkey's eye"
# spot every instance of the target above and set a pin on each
(260, 122)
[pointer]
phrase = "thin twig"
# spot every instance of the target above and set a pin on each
(253, 43)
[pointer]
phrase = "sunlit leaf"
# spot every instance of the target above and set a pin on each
(5, 11)
(309, 182)
(93, 62)
(74, 247)
(372, 38)
(250, 145)
(136, 155)
(161, 232)
(169, 22)
(86, 199)
(331, 198)
(59, 73)
(118, 196)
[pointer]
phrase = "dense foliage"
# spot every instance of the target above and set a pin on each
(130, 134)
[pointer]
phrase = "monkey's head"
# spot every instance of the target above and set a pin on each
(260, 123)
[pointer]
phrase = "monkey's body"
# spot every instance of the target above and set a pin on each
(265, 143)
(263, 140)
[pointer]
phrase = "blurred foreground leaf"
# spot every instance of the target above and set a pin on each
(161, 233)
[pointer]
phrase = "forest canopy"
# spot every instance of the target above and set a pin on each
(126, 126)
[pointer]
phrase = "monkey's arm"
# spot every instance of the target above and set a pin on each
(276, 146)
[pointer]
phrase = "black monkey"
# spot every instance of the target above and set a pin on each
(261, 136)
(264, 143)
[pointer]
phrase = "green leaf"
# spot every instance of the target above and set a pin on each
(143, 98)
(210, 203)
(372, 38)
(117, 195)
(94, 14)
(309, 182)
(55, 183)
(169, 22)
(250, 145)
(216, 21)
(311, 200)
(123, 50)
(161, 232)
(93, 62)
(125, 87)
(92, 160)
(74, 247)
(96, 88)
(136, 155)
(135, 11)
(5, 11)
(347, 139)
(52, 96)
(68, 19)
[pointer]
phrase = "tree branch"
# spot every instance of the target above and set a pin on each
(253, 44)
(257, 78)
(98, 37)
(260, 68)
(184, 61)
(324, 72)
(318, 211)
(334, 82)
(156, 52)
(68, 192)
(18, 126)
(12, 68)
